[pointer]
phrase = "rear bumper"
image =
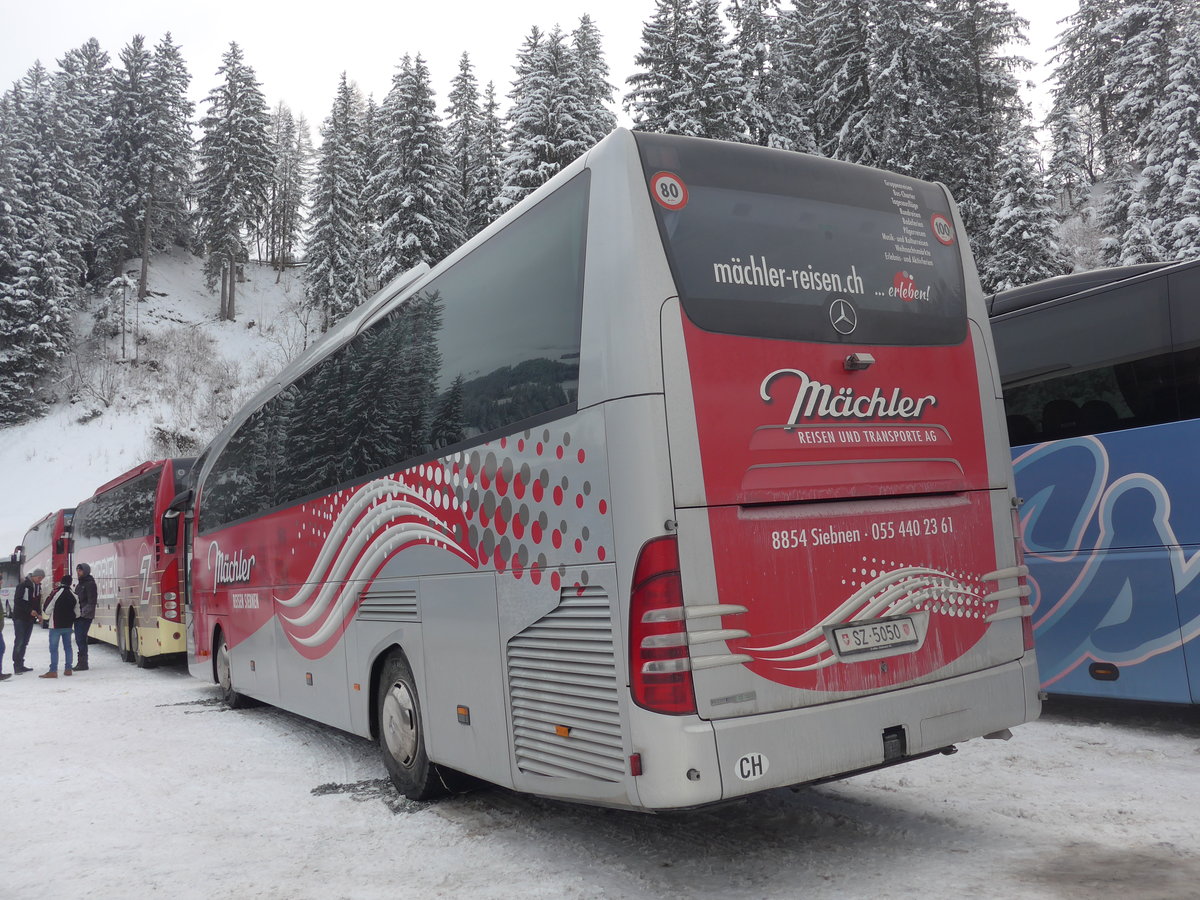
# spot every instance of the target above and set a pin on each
(703, 762)
(809, 744)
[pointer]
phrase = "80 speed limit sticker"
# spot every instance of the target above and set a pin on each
(669, 190)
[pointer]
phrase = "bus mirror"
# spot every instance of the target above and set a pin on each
(170, 520)
(170, 529)
(18, 556)
(60, 546)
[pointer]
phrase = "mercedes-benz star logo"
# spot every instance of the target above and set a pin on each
(842, 316)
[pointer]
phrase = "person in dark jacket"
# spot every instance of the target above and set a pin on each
(3, 604)
(85, 592)
(60, 610)
(27, 610)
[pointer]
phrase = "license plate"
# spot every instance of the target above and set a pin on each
(882, 634)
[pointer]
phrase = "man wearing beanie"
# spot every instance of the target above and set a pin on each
(85, 592)
(27, 606)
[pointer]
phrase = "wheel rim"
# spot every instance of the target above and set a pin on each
(223, 667)
(400, 724)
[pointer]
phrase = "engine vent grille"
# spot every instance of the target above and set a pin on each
(389, 606)
(562, 682)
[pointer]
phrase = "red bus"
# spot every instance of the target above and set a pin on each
(117, 533)
(686, 478)
(47, 546)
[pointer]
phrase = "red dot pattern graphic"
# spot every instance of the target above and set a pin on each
(531, 512)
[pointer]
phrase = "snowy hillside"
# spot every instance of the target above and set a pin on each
(183, 373)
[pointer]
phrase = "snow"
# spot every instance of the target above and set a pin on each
(57, 461)
(120, 781)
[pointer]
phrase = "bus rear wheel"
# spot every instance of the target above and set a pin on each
(224, 666)
(135, 644)
(123, 637)
(401, 735)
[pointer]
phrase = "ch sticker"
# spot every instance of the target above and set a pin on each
(669, 190)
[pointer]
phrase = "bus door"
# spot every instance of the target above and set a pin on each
(836, 515)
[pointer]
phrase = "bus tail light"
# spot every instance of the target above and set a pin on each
(659, 663)
(1019, 545)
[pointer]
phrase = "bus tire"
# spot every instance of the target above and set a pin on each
(224, 677)
(401, 733)
(123, 649)
(135, 643)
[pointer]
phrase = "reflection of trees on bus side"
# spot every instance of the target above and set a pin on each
(123, 512)
(513, 393)
(449, 426)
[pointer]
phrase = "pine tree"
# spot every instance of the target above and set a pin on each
(768, 97)
(171, 148)
(83, 87)
(41, 265)
(482, 203)
(595, 91)
(1114, 218)
(1069, 173)
(653, 100)
(235, 171)
(909, 103)
(462, 133)
(335, 277)
(973, 105)
(291, 147)
(371, 146)
(548, 120)
(1170, 189)
(841, 76)
(1087, 50)
(788, 88)
(125, 139)
(712, 81)
(419, 207)
(1022, 247)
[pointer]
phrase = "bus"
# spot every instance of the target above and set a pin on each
(686, 478)
(117, 533)
(47, 546)
(1101, 379)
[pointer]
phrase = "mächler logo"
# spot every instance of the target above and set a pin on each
(235, 569)
(815, 400)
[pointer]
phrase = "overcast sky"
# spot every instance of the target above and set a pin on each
(299, 56)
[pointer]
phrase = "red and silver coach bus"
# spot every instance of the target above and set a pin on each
(116, 532)
(47, 546)
(687, 478)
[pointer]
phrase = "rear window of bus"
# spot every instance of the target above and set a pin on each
(763, 242)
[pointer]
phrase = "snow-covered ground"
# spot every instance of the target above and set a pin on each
(121, 782)
(190, 368)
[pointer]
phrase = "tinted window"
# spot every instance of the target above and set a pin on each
(764, 242)
(1185, 306)
(1104, 328)
(38, 537)
(1106, 398)
(1090, 364)
(125, 511)
(489, 344)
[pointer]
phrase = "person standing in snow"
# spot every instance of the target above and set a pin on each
(60, 610)
(3, 675)
(26, 610)
(85, 592)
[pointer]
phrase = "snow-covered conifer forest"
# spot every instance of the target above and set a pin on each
(104, 161)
